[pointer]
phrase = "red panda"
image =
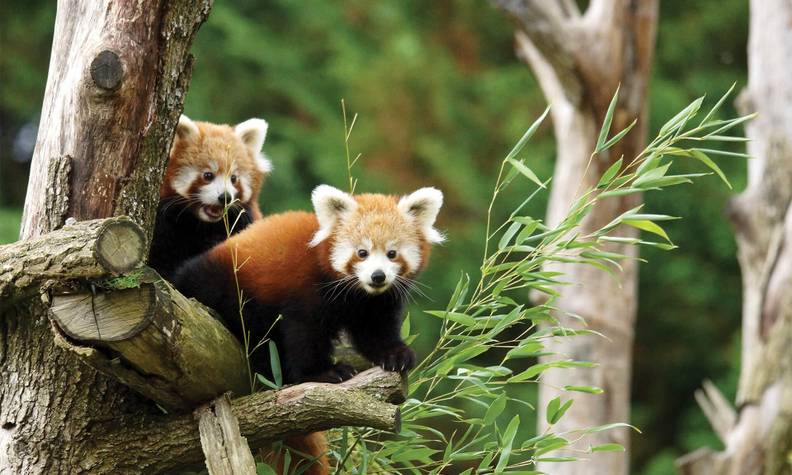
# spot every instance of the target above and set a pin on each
(210, 166)
(345, 267)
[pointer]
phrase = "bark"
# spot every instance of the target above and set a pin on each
(226, 451)
(105, 129)
(154, 340)
(164, 444)
(758, 438)
(579, 59)
(85, 250)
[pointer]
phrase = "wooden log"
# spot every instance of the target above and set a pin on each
(153, 339)
(226, 451)
(83, 250)
(164, 444)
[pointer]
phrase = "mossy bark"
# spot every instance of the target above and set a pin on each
(100, 153)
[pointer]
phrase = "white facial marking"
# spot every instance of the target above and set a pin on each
(412, 257)
(183, 180)
(342, 253)
(244, 182)
(377, 260)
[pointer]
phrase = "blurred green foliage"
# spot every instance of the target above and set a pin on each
(441, 98)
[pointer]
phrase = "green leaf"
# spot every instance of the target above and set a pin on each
(682, 117)
(647, 225)
(264, 469)
(607, 448)
(552, 408)
(559, 412)
(506, 443)
(606, 123)
(527, 135)
(275, 364)
(603, 428)
(495, 409)
(405, 328)
(619, 136)
(717, 105)
(523, 168)
(462, 318)
(584, 389)
(703, 158)
(267, 382)
(526, 349)
(508, 235)
(610, 173)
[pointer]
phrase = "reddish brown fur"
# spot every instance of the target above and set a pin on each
(221, 144)
(276, 261)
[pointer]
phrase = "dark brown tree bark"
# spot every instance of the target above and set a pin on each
(118, 74)
(579, 59)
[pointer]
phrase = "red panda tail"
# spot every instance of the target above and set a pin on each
(305, 450)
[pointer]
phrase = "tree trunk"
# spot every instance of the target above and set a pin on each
(117, 79)
(579, 60)
(758, 438)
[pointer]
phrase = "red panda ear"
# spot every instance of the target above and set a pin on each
(186, 129)
(330, 205)
(423, 206)
(252, 133)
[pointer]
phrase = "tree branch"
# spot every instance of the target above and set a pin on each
(164, 443)
(548, 30)
(153, 339)
(226, 451)
(717, 409)
(84, 250)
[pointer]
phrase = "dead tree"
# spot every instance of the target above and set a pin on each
(91, 342)
(579, 59)
(758, 434)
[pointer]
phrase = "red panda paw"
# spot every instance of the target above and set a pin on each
(399, 358)
(337, 373)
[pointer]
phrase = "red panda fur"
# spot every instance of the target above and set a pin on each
(271, 245)
(286, 265)
(219, 143)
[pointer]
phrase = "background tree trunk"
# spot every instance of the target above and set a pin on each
(579, 60)
(117, 79)
(758, 437)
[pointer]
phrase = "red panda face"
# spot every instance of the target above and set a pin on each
(378, 241)
(214, 166)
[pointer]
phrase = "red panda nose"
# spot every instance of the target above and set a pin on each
(378, 277)
(225, 198)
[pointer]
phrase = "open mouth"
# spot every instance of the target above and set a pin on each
(214, 213)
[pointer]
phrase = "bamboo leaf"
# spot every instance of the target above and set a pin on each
(619, 136)
(647, 225)
(508, 235)
(275, 364)
(527, 172)
(606, 123)
(506, 443)
(527, 135)
(610, 173)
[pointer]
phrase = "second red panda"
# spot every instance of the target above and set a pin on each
(210, 167)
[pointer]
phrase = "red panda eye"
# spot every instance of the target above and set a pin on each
(208, 176)
(362, 253)
(391, 254)
(233, 179)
